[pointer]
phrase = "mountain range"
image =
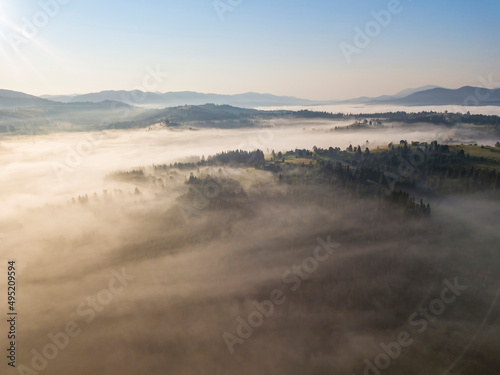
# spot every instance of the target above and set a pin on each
(466, 96)
(422, 96)
(172, 99)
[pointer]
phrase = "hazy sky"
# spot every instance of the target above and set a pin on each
(284, 47)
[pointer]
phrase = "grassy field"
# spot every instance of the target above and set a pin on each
(296, 160)
(490, 154)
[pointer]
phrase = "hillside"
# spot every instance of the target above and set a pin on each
(171, 99)
(13, 99)
(464, 96)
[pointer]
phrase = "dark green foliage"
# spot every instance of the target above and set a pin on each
(135, 175)
(436, 118)
(250, 158)
(396, 175)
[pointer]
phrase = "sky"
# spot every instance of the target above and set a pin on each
(314, 49)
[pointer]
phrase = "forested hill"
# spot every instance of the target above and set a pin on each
(220, 116)
(408, 175)
(225, 116)
(115, 115)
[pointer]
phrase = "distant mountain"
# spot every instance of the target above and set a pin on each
(467, 96)
(172, 99)
(407, 92)
(422, 96)
(17, 100)
(129, 97)
(215, 116)
(386, 98)
(229, 117)
(90, 106)
(13, 99)
(87, 116)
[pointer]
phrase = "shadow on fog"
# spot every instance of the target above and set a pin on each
(192, 280)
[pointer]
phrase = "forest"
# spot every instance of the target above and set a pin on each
(206, 239)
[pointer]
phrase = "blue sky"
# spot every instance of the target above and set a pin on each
(282, 47)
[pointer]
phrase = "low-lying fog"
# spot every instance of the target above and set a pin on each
(58, 166)
(184, 282)
(363, 108)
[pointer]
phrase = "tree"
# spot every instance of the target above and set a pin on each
(497, 144)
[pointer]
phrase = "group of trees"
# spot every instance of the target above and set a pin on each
(436, 118)
(408, 202)
(7, 128)
(239, 157)
(397, 174)
(224, 116)
(360, 124)
(355, 182)
(106, 196)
